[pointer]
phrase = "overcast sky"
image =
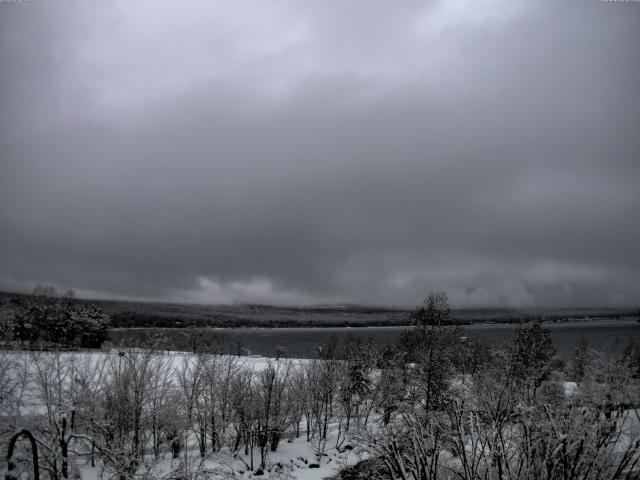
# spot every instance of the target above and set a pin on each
(297, 152)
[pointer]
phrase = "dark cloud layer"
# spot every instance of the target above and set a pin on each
(327, 152)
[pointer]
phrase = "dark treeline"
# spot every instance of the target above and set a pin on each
(48, 318)
(299, 318)
(150, 320)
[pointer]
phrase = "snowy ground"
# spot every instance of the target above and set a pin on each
(291, 461)
(295, 459)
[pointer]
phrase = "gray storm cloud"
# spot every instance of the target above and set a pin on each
(303, 152)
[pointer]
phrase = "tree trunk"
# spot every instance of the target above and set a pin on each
(275, 440)
(203, 441)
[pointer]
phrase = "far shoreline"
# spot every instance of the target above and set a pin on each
(625, 321)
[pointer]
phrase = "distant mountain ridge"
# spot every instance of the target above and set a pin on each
(126, 314)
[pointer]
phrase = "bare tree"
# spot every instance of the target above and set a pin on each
(273, 406)
(124, 408)
(55, 385)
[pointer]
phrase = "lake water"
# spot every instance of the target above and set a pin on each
(608, 335)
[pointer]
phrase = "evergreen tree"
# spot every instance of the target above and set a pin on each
(58, 320)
